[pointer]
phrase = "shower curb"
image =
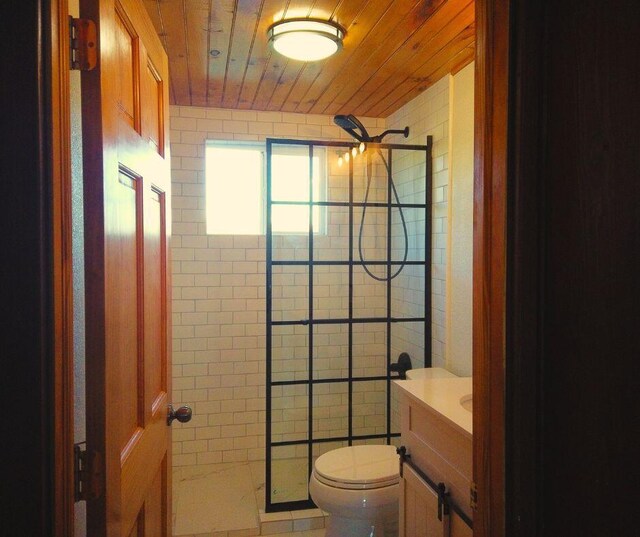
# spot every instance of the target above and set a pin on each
(290, 521)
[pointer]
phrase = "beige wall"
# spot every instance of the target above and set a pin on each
(460, 242)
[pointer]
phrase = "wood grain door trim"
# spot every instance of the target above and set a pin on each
(62, 269)
(489, 264)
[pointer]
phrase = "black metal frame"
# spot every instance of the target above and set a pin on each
(350, 321)
(445, 503)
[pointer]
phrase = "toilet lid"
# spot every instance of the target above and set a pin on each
(359, 467)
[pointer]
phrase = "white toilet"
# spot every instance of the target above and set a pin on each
(359, 487)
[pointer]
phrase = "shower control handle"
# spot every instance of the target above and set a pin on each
(182, 414)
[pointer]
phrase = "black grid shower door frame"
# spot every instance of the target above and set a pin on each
(311, 321)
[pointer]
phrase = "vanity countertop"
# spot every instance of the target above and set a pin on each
(443, 395)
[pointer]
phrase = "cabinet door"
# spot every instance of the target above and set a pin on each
(458, 527)
(419, 508)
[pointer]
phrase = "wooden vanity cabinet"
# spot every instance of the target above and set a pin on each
(459, 527)
(441, 451)
(419, 508)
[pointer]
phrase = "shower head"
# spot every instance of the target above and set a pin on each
(351, 123)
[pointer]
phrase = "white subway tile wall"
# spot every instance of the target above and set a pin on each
(219, 291)
(427, 114)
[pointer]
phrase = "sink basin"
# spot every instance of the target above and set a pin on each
(466, 401)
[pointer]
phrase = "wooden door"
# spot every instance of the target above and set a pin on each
(127, 201)
(419, 508)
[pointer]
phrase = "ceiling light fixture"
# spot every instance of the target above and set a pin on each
(306, 40)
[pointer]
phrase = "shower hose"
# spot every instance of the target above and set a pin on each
(364, 212)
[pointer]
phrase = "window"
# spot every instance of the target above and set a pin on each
(236, 188)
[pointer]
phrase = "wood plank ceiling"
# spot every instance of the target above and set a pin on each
(393, 50)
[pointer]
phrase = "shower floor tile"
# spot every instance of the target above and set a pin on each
(289, 480)
(227, 500)
(212, 499)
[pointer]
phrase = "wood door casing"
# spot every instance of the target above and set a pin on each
(127, 200)
(490, 330)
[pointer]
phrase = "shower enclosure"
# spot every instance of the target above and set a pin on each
(348, 268)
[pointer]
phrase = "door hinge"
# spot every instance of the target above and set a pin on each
(87, 473)
(473, 496)
(83, 40)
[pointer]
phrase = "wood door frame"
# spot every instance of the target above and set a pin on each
(490, 263)
(37, 389)
(60, 161)
(490, 238)
(508, 233)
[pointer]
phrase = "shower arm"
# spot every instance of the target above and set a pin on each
(349, 123)
(378, 139)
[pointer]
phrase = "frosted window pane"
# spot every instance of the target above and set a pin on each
(290, 182)
(234, 191)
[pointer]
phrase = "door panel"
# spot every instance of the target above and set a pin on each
(154, 507)
(155, 303)
(123, 303)
(127, 189)
(419, 508)
(152, 88)
(135, 531)
(127, 60)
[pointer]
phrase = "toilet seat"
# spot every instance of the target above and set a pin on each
(358, 467)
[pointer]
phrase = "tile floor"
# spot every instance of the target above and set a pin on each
(290, 481)
(310, 533)
(227, 500)
(213, 498)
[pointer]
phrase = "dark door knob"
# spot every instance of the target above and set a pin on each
(182, 414)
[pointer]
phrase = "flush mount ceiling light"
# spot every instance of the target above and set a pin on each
(306, 40)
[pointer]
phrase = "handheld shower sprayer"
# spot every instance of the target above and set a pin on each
(355, 128)
(351, 124)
